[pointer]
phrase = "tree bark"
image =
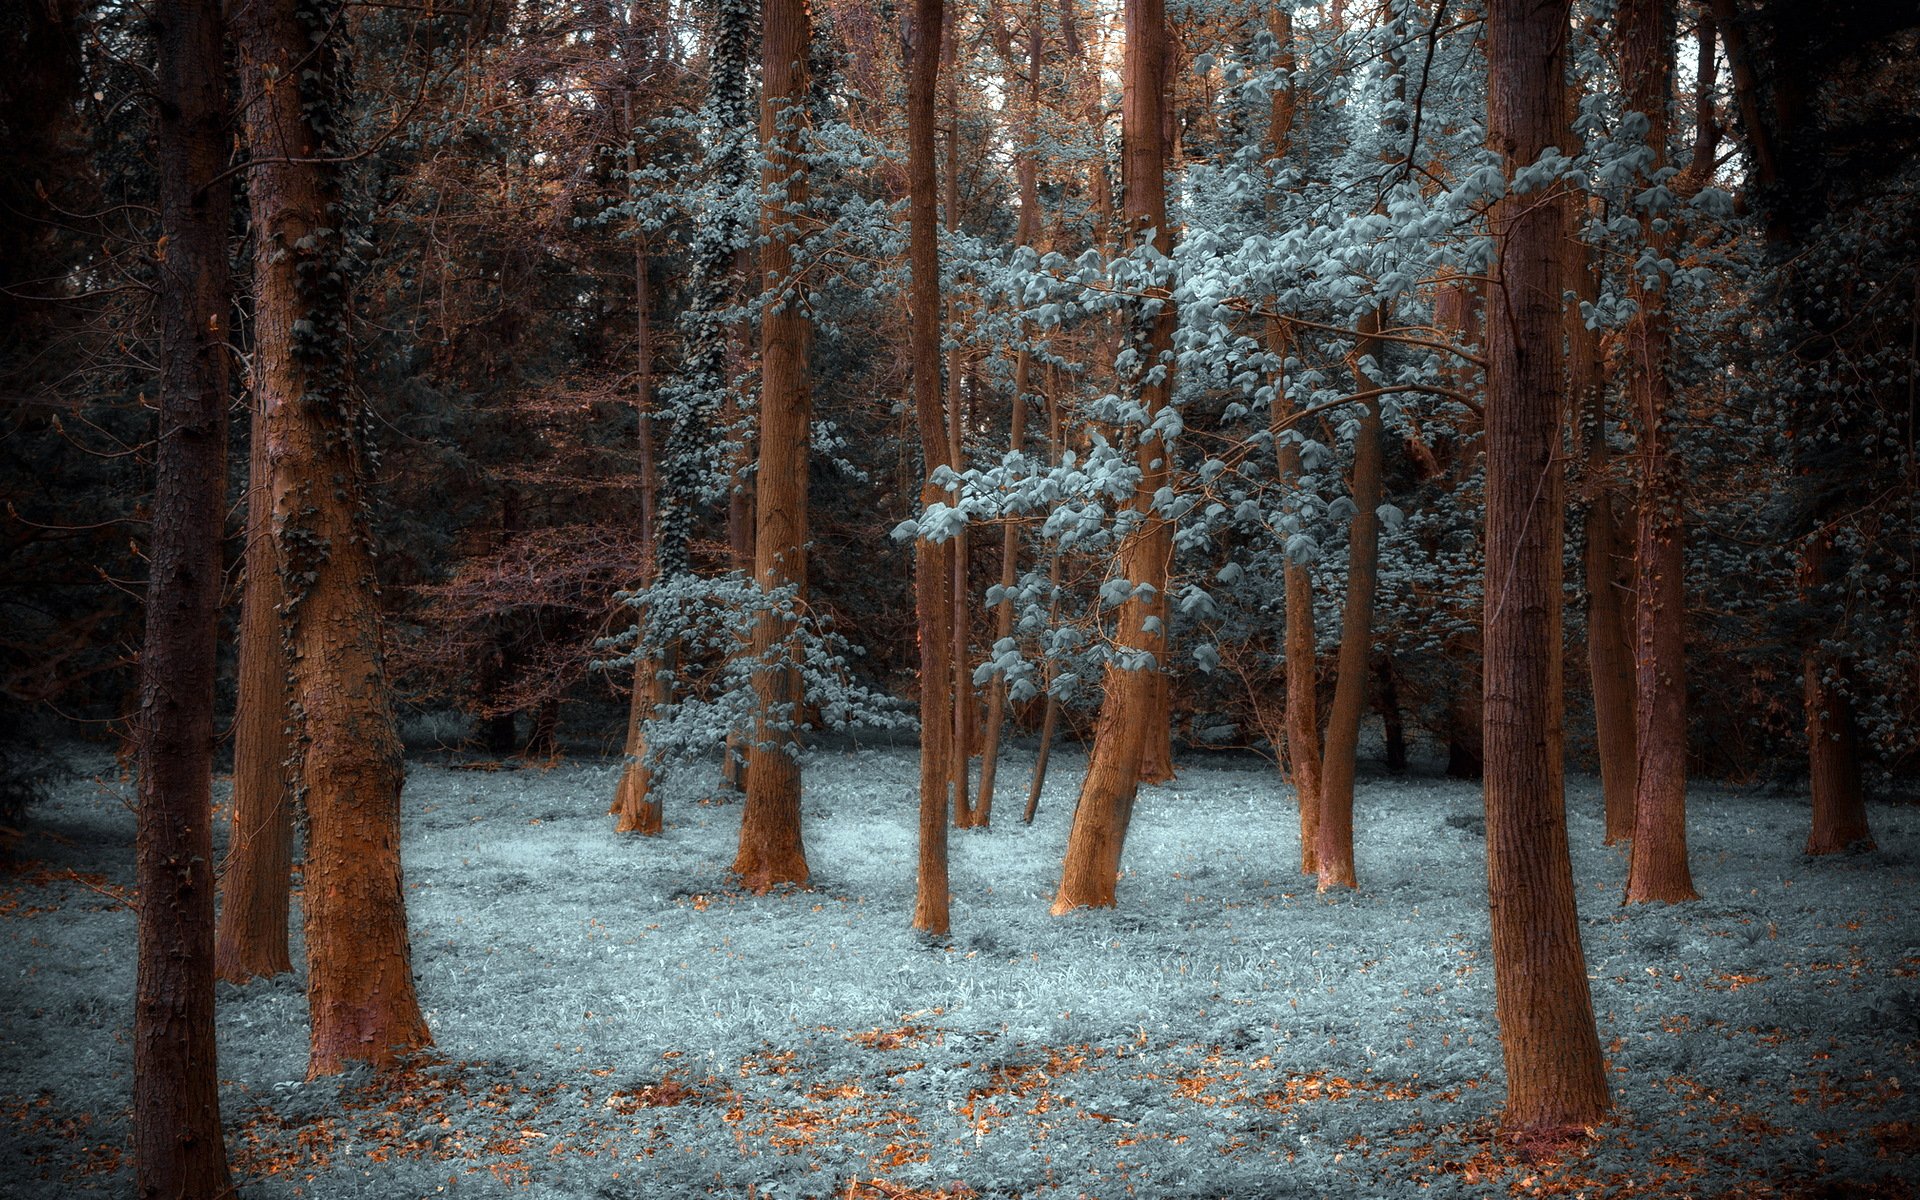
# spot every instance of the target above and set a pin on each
(1334, 851)
(1302, 646)
(959, 557)
(177, 1146)
(1556, 1082)
(1833, 753)
(256, 879)
(1608, 567)
(1026, 233)
(637, 809)
(1657, 865)
(771, 847)
(932, 566)
(1106, 798)
(1050, 708)
(360, 991)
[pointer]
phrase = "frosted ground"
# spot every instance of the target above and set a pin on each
(612, 1020)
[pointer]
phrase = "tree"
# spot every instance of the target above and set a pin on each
(1333, 854)
(771, 848)
(1126, 713)
(346, 752)
(177, 1148)
(1556, 1081)
(257, 877)
(1657, 866)
(932, 560)
(1303, 706)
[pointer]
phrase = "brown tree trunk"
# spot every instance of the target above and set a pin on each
(1608, 564)
(1393, 724)
(256, 878)
(959, 557)
(360, 992)
(177, 1147)
(1027, 233)
(1833, 751)
(1106, 798)
(1050, 708)
(1334, 851)
(1556, 1082)
(1302, 647)
(932, 567)
(1657, 865)
(771, 847)
(638, 810)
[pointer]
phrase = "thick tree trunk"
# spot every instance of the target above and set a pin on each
(1334, 851)
(1657, 865)
(256, 878)
(177, 1146)
(1608, 565)
(771, 846)
(1556, 1082)
(360, 992)
(1106, 798)
(932, 567)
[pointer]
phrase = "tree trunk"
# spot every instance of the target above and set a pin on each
(1050, 708)
(1302, 646)
(1387, 701)
(1334, 850)
(771, 846)
(360, 992)
(177, 1146)
(1657, 864)
(1556, 1082)
(932, 567)
(637, 809)
(1833, 752)
(1608, 565)
(256, 879)
(1027, 233)
(1106, 798)
(959, 557)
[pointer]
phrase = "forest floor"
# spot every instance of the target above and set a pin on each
(613, 1019)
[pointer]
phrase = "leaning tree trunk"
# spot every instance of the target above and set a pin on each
(177, 1147)
(771, 848)
(1556, 1082)
(932, 565)
(1657, 864)
(360, 992)
(1334, 850)
(636, 808)
(1113, 770)
(256, 878)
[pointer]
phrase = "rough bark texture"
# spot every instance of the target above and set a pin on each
(1608, 564)
(178, 1152)
(1657, 866)
(1334, 849)
(360, 992)
(1106, 798)
(932, 565)
(256, 878)
(771, 848)
(1556, 1082)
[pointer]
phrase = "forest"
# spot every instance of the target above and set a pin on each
(931, 599)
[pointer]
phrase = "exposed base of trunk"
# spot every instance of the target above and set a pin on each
(1833, 754)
